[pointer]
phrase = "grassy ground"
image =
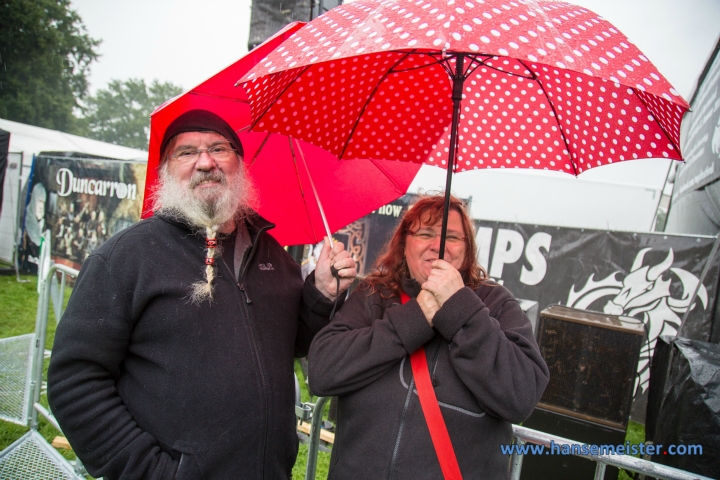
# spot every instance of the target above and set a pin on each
(635, 434)
(18, 305)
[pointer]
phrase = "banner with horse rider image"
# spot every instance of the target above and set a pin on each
(649, 276)
(82, 202)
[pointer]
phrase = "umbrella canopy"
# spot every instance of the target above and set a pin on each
(469, 85)
(295, 179)
(290, 175)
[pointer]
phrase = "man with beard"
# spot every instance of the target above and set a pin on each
(174, 358)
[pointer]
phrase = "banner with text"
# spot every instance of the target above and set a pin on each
(82, 202)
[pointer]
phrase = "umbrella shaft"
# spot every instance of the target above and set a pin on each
(458, 79)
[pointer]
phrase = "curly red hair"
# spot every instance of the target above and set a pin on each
(390, 267)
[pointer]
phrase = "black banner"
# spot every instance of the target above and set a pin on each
(4, 146)
(267, 17)
(648, 276)
(82, 202)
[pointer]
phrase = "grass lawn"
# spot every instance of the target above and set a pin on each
(18, 306)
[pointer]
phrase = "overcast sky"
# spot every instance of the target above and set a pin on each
(178, 41)
(187, 41)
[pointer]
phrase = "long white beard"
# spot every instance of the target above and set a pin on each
(206, 209)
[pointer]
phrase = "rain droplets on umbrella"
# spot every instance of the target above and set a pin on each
(536, 85)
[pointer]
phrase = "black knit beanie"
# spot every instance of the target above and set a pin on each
(201, 121)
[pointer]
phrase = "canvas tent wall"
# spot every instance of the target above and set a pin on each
(554, 198)
(9, 212)
(30, 140)
(8, 198)
(695, 205)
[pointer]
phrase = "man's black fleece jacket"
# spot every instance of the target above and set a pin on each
(146, 385)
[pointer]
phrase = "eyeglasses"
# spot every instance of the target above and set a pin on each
(217, 152)
(426, 236)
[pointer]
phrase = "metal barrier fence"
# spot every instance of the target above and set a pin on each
(31, 457)
(41, 323)
(521, 436)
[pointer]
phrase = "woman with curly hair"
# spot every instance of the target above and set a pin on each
(481, 354)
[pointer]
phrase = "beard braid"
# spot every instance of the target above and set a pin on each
(231, 200)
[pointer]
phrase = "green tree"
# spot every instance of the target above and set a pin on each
(45, 54)
(120, 113)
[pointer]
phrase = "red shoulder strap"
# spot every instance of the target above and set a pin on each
(431, 409)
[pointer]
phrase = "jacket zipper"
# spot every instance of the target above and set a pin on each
(434, 363)
(244, 293)
(405, 408)
(400, 430)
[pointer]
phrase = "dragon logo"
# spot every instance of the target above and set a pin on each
(644, 294)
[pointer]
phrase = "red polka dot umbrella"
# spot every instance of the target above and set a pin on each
(468, 85)
(292, 177)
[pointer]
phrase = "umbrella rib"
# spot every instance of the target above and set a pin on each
(474, 64)
(505, 72)
(390, 179)
(220, 97)
(372, 94)
(562, 134)
(662, 127)
(304, 69)
(257, 152)
(437, 62)
(302, 192)
(317, 197)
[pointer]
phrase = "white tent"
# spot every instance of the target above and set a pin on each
(26, 141)
(30, 140)
(614, 197)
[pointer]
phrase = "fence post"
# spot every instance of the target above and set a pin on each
(39, 348)
(600, 471)
(516, 460)
(314, 445)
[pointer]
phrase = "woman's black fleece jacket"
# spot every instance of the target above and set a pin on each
(484, 360)
(146, 385)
